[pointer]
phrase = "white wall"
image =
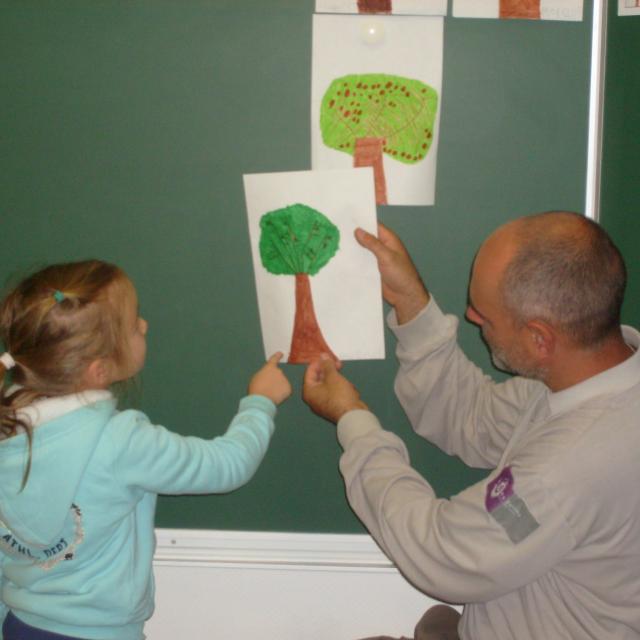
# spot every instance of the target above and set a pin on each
(230, 584)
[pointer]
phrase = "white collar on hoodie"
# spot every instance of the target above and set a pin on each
(614, 380)
(48, 409)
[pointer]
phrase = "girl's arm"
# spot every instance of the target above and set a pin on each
(157, 460)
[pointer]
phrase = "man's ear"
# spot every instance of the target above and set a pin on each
(541, 339)
(97, 374)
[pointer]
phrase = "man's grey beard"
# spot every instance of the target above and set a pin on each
(502, 361)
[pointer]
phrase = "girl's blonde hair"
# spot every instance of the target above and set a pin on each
(54, 324)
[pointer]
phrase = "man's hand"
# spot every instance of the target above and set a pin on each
(402, 286)
(327, 392)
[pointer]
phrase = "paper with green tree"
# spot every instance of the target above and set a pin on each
(318, 290)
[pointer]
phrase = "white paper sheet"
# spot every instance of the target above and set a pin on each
(409, 47)
(629, 7)
(549, 9)
(398, 7)
(346, 291)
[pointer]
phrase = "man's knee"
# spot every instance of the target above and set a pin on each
(440, 622)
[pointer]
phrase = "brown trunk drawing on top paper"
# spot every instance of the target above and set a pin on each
(368, 153)
(374, 6)
(520, 9)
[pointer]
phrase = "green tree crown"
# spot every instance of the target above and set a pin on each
(402, 111)
(297, 239)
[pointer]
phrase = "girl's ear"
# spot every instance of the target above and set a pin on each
(97, 375)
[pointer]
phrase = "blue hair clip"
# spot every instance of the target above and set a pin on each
(58, 296)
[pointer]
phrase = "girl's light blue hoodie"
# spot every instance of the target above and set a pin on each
(76, 544)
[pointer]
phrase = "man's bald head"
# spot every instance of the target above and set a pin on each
(562, 268)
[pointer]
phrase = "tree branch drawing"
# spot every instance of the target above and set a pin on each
(299, 241)
(371, 114)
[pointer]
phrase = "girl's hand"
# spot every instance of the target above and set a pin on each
(270, 381)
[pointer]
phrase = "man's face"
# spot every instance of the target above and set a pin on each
(485, 309)
(497, 330)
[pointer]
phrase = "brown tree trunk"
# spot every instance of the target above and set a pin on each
(368, 153)
(520, 9)
(374, 6)
(307, 341)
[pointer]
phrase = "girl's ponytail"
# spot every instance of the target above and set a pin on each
(6, 362)
(10, 424)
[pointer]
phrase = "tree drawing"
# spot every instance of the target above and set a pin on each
(298, 240)
(520, 9)
(371, 114)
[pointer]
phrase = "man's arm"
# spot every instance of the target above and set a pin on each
(402, 286)
(327, 392)
(465, 549)
(449, 400)
(457, 550)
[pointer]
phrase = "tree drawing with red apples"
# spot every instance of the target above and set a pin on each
(373, 114)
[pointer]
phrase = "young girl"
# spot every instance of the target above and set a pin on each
(79, 479)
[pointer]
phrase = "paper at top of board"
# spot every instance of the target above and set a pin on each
(629, 7)
(563, 10)
(407, 48)
(392, 7)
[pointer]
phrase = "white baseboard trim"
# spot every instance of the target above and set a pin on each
(204, 547)
(243, 584)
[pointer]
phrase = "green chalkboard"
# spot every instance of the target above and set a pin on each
(620, 191)
(126, 128)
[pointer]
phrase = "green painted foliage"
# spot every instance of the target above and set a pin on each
(400, 110)
(297, 239)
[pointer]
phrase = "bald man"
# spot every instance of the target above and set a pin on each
(547, 547)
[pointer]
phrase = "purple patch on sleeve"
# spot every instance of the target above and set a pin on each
(499, 490)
